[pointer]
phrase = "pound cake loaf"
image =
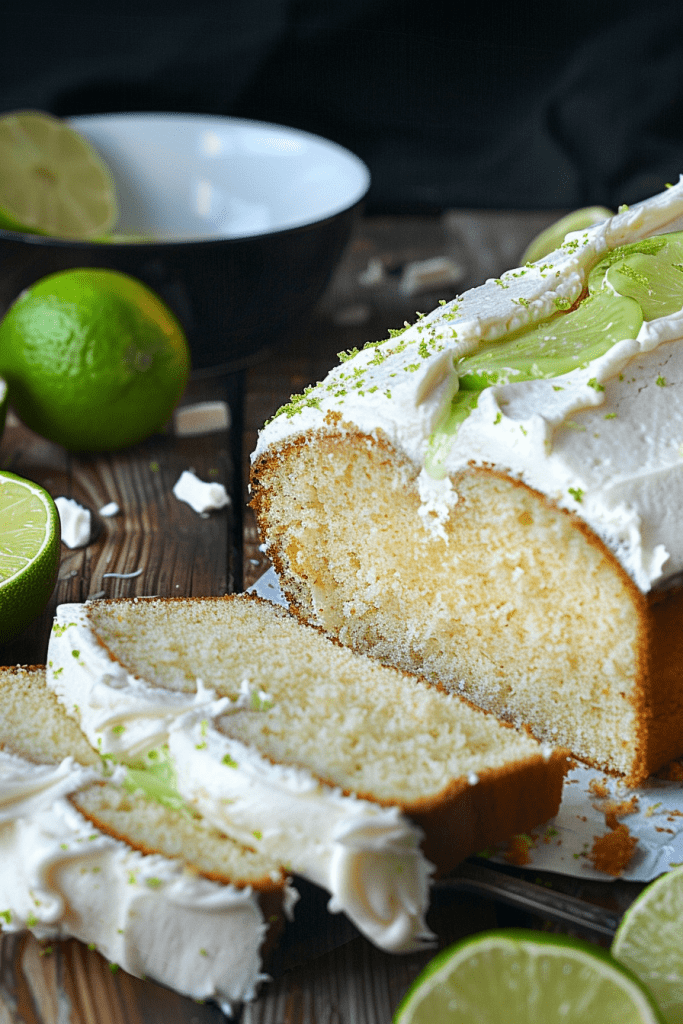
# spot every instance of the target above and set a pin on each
(493, 497)
(360, 778)
(85, 852)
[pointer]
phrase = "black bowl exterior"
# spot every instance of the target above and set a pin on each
(237, 299)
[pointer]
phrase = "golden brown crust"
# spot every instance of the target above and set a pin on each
(468, 818)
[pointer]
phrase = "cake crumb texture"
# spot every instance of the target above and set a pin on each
(378, 733)
(518, 606)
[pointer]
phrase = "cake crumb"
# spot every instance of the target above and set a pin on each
(612, 852)
(598, 789)
(614, 809)
(519, 851)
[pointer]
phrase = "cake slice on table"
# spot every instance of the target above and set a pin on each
(493, 497)
(360, 778)
(87, 852)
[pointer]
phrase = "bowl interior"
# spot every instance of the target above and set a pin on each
(192, 176)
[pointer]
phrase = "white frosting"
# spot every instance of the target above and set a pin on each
(74, 521)
(147, 914)
(613, 457)
(200, 495)
(367, 857)
(117, 711)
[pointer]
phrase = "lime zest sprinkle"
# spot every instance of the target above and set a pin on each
(576, 493)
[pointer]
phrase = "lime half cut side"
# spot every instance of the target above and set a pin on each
(29, 552)
(649, 941)
(52, 182)
(524, 977)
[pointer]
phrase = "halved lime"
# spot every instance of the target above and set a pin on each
(514, 976)
(553, 236)
(52, 182)
(649, 941)
(29, 552)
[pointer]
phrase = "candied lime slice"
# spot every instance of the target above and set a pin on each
(554, 347)
(553, 236)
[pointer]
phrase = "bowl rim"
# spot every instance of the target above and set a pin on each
(355, 200)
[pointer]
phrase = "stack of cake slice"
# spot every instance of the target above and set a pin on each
(359, 778)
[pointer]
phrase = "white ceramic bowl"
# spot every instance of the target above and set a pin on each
(242, 224)
(189, 176)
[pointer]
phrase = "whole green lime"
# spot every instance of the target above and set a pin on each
(93, 359)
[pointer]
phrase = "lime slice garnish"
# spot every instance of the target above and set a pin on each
(52, 182)
(29, 552)
(553, 347)
(648, 941)
(553, 236)
(525, 977)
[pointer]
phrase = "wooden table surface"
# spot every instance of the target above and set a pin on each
(325, 973)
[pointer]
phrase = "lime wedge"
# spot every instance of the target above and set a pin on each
(52, 182)
(29, 552)
(553, 236)
(525, 977)
(649, 941)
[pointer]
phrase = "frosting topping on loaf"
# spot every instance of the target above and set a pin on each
(601, 439)
(366, 856)
(62, 877)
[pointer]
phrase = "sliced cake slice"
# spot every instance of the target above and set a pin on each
(85, 852)
(361, 778)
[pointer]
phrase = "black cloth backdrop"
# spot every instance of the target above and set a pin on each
(450, 104)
